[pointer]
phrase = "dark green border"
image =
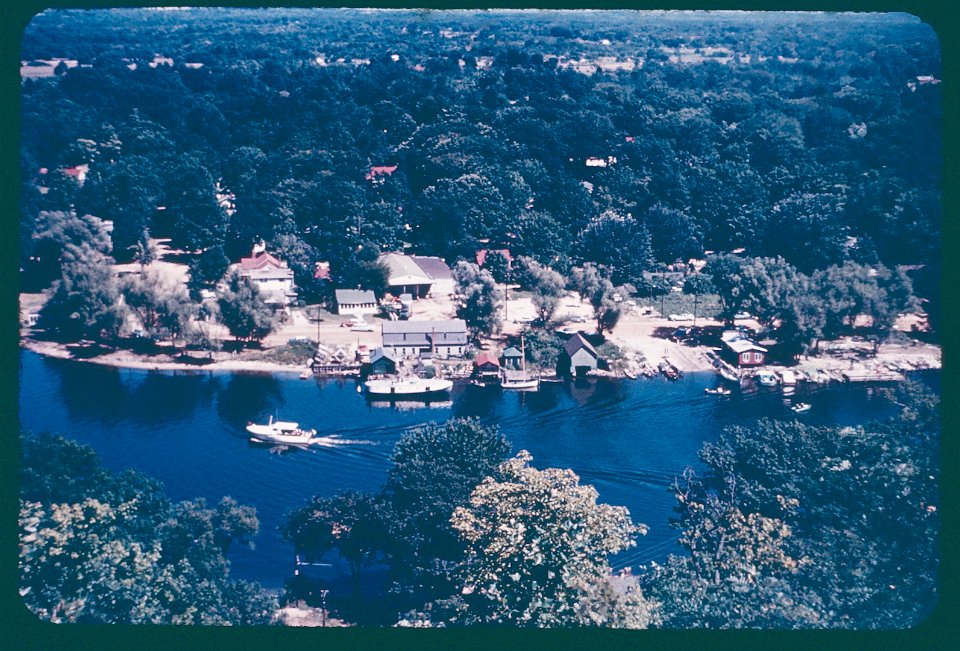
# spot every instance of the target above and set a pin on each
(21, 630)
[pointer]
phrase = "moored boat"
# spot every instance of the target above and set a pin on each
(719, 391)
(801, 407)
(279, 431)
(766, 378)
(410, 386)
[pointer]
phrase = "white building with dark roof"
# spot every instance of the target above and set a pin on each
(356, 301)
(442, 339)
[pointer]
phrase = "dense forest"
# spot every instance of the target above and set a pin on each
(630, 140)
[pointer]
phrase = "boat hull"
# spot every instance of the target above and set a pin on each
(407, 387)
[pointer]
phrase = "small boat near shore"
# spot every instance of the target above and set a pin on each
(719, 391)
(279, 431)
(408, 386)
(766, 378)
(801, 407)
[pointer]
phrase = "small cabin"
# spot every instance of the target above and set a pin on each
(740, 351)
(580, 355)
(512, 358)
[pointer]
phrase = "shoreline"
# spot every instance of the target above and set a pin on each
(129, 360)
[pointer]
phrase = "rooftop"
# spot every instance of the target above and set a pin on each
(449, 325)
(355, 296)
(577, 342)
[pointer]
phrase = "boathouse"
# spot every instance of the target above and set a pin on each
(382, 363)
(486, 367)
(425, 338)
(356, 301)
(578, 356)
(740, 351)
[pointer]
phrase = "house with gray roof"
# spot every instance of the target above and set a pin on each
(442, 339)
(356, 301)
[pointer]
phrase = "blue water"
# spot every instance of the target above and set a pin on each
(629, 439)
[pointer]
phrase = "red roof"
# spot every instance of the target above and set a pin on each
(380, 170)
(482, 255)
(322, 271)
(486, 358)
(72, 171)
(259, 262)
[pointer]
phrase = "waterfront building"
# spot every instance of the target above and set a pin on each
(425, 339)
(272, 277)
(417, 275)
(740, 351)
(579, 356)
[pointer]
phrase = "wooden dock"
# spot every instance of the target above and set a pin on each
(872, 376)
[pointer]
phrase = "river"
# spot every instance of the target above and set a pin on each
(627, 438)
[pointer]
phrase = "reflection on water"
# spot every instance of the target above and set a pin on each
(629, 439)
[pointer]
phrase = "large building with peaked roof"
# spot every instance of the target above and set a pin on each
(442, 339)
(417, 275)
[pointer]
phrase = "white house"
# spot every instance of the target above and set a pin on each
(272, 277)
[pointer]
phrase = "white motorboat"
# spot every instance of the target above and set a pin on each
(801, 407)
(766, 378)
(279, 431)
(719, 391)
(408, 386)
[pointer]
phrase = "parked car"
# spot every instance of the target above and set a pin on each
(362, 327)
(684, 316)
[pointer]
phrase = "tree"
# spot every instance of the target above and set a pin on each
(537, 546)
(619, 242)
(435, 468)
(606, 308)
(162, 305)
(243, 310)
(498, 265)
(86, 300)
(350, 522)
(547, 286)
(98, 547)
(798, 526)
(478, 300)
(697, 284)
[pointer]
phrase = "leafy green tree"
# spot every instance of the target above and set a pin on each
(86, 299)
(547, 286)
(478, 299)
(825, 526)
(620, 242)
(243, 310)
(97, 547)
(206, 269)
(350, 522)
(498, 265)
(537, 547)
(162, 305)
(435, 468)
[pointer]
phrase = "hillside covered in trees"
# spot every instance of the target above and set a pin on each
(630, 140)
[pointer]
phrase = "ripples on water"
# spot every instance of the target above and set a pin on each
(629, 439)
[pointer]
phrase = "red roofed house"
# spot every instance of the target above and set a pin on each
(321, 271)
(379, 171)
(78, 173)
(272, 277)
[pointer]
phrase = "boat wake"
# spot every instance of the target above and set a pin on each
(333, 441)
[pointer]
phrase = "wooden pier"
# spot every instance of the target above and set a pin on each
(872, 376)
